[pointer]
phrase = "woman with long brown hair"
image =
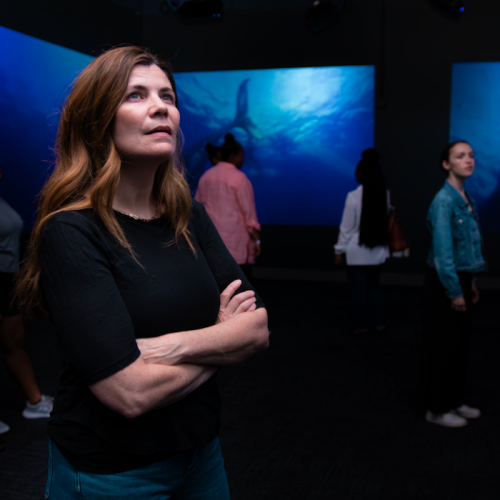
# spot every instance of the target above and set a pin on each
(146, 300)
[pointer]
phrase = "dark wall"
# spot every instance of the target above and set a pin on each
(87, 27)
(413, 47)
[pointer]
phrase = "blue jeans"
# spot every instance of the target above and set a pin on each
(196, 474)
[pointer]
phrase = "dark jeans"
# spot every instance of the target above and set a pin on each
(364, 282)
(196, 474)
(445, 350)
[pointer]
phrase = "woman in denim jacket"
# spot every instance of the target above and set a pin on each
(455, 256)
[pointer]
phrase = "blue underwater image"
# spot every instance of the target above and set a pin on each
(475, 118)
(303, 131)
(34, 78)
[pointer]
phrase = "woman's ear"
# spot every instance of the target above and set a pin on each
(445, 165)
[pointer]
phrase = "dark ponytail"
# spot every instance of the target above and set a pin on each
(212, 151)
(373, 224)
(230, 147)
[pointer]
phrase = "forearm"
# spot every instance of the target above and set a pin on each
(165, 385)
(142, 387)
(225, 343)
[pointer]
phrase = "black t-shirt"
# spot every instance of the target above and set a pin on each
(100, 300)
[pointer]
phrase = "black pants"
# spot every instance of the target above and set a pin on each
(8, 301)
(445, 350)
(364, 282)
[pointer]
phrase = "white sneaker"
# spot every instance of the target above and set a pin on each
(447, 419)
(4, 427)
(41, 409)
(467, 412)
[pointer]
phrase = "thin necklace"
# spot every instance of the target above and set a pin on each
(155, 216)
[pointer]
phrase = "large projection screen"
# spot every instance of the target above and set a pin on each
(475, 118)
(303, 130)
(34, 78)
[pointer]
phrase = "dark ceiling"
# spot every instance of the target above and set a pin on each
(152, 7)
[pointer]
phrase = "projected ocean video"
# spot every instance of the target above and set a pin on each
(303, 131)
(34, 76)
(475, 117)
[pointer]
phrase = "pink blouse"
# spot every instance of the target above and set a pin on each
(228, 197)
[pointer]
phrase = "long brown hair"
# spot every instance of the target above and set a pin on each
(87, 169)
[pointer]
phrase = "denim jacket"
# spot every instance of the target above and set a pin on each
(457, 244)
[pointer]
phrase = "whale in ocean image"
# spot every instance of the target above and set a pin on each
(195, 158)
(302, 129)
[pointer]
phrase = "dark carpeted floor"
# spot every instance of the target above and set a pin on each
(319, 415)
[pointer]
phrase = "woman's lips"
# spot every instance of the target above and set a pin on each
(160, 130)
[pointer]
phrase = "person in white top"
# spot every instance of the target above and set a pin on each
(363, 240)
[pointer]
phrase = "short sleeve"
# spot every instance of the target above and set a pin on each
(222, 264)
(93, 325)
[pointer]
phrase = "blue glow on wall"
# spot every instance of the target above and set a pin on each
(475, 117)
(34, 78)
(303, 131)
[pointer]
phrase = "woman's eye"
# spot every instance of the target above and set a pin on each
(134, 95)
(168, 98)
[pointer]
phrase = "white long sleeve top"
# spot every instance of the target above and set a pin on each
(348, 239)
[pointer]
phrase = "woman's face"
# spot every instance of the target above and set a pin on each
(146, 123)
(461, 161)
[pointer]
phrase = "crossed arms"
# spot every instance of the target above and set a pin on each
(172, 366)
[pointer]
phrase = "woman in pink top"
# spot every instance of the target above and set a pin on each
(228, 197)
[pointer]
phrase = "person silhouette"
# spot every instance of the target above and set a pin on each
(12, 331)
(228, 197)
(455, 256)
(363, 239)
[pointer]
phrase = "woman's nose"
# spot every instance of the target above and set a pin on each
(159, 106)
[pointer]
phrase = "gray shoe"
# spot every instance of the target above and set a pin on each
(450, 419)
(4, 427)
(41, 409)
(467, 412)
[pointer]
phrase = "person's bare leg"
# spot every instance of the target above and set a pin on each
(12, 335)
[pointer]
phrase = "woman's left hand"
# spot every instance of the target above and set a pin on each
(170, 349)
(255, 249)
(231, 305)
(475, 293)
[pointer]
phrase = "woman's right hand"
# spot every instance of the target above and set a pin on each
(231, 305)
(458, 304)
